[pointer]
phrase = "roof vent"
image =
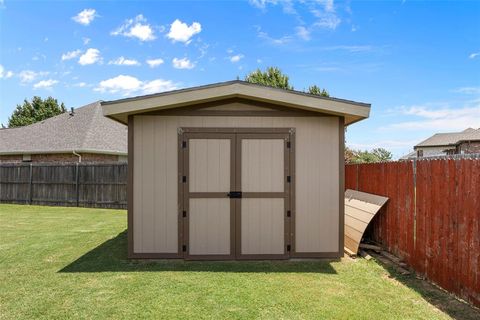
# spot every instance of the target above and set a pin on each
(72, 111)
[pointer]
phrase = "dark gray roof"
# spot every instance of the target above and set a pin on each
(225, 83)
(87, 130)
(449, 139)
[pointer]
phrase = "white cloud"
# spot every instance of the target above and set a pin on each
(327, 4)
(136, 28)
(236, 58)
(85, 17)
(259, 61)
(154, 62)
(261, 4)
(128, 85)
(121, 61)
(29, 75)
(158, 85)
(474, 55)
(86, 41)
(80, 84)
(275, 41)
(386, 144)
(437, 118)
(468, 90)
(90, 56)
(45, 84)
(302, 33)
(327, 20)
(180, 31)
(5, 74)
(71, 55)
(183, 63)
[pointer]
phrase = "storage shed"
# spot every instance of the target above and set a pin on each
(235, 170)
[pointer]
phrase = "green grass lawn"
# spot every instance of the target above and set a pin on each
(58, 262)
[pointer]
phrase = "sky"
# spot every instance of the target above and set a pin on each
(416, 62)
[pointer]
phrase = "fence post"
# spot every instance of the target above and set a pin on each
(30, 187)
(76, 184)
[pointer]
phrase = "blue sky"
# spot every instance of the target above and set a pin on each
(416, 62)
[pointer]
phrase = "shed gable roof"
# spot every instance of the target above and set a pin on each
(120, 109)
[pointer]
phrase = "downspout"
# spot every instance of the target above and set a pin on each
(78, 155)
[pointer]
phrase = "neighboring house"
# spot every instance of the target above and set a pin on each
(236, 170)
(443, 144)
(82, 135)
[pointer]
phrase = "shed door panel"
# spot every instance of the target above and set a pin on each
(262, 165)
(262, 226)
(209, 231)
(209, 165)
(209, 170)
(261, 212)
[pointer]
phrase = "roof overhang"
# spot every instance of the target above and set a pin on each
(119, 110)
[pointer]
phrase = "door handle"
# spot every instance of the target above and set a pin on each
(234, 194)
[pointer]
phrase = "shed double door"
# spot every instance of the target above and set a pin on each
(236, 194)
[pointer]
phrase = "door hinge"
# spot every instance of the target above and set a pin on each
(184, 144)
(289, 213)
(184, 179)
(288, 144)
(184, 213)
(184, 248)
(288, 248)
(289, 179)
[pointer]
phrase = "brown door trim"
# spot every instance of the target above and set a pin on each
(286, 135)
(187, 195)
(236, 135)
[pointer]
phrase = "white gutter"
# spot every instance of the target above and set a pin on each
(78, 155)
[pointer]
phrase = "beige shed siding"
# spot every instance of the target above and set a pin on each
(155, 200)
(317, 185)
(209, 165)
(262, 226)
(209, 228)
(317, 173)
(262, 165)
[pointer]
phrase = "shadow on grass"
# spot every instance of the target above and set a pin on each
(437, 297)
(111, 256)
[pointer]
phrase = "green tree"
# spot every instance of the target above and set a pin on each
(36, 110)
(359, 156)
(272, 77)
(316, 90)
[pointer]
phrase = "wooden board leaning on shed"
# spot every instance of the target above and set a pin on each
(360, 208)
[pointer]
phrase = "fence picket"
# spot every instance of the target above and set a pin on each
(432, 219)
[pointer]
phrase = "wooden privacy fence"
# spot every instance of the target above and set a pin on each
(100, 185)
(432, 219)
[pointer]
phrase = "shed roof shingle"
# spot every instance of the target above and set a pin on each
(87, 130)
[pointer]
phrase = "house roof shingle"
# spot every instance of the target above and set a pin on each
(450, 139)
(87, 130)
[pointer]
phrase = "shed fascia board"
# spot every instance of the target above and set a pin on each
(120, 109)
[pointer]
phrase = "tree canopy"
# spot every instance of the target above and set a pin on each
(37, 109)
(318, 91)
(274, 77)
(359, 156)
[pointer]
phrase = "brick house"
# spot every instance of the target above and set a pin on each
(442, 144)
(83, 135)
